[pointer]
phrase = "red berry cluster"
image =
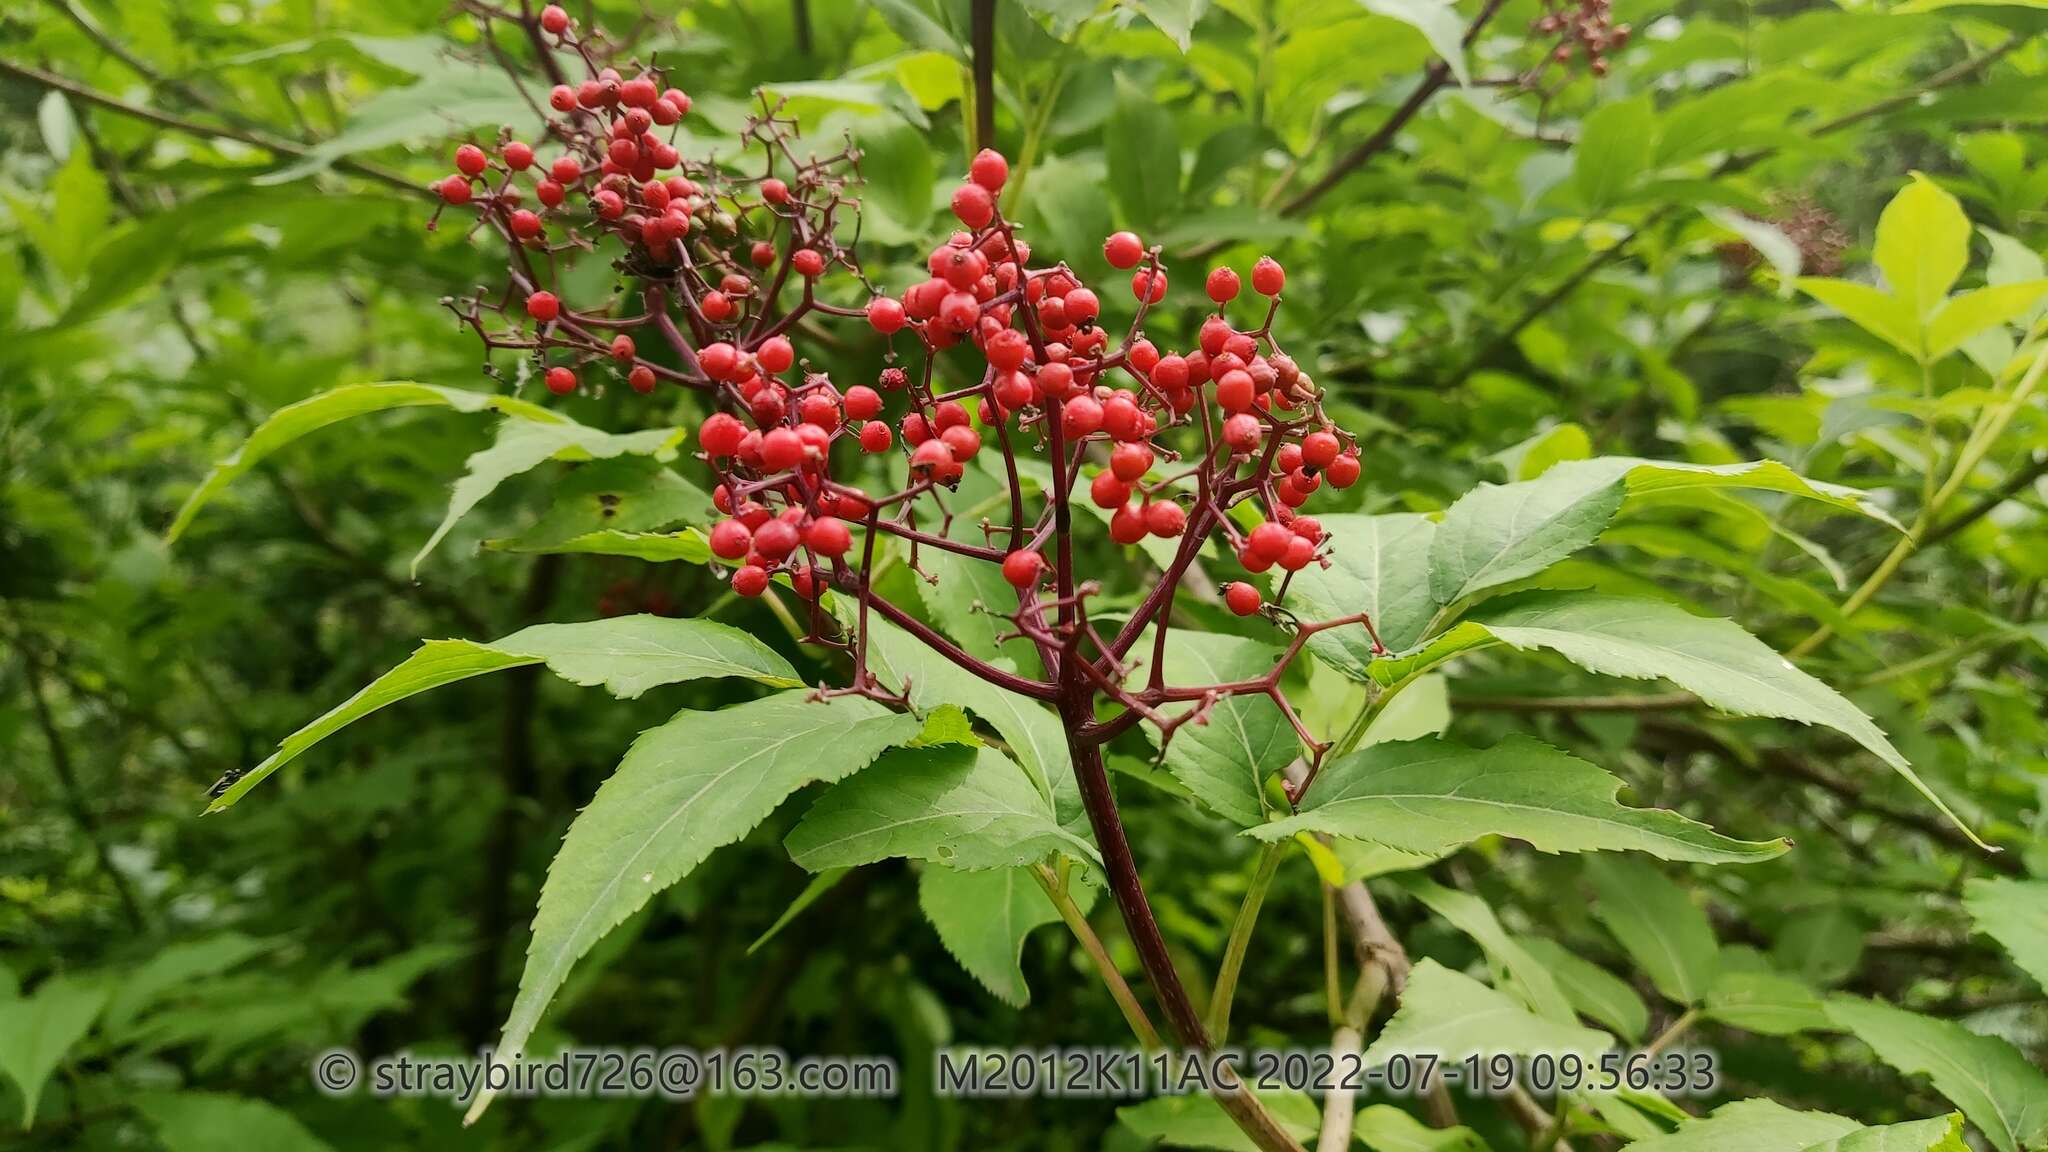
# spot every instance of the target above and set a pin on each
(1019, 358)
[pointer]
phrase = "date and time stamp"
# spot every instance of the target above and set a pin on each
(967, 1073)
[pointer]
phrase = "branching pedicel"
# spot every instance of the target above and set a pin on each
(1186, 437)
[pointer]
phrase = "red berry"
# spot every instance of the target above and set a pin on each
(775, 354)
(1007, 349)
(819, 410)
(730, 539)
(1127, 525)
(1056, 381)
(1149, 286)
(827, 536)
(1165, 519)
(1320, 449)
(1079, 416)
(1121, 418)
(762, 254)
(610, 205)
(518, 156)
(1241, 432)
(989, 169)
(1308, 528)
(886, 315)
(1234, 392)
(554, 19)
(1082, 306)
(774, 191)
(781, 448)
(566, 169)
(959, 311)
(973, 204)
(1022, 568)
(1269, 541)
(525, 224)
(454, 190)
(622, 348)
(549, 193)
(562, 98)
(1013, 391)
(931, 458)
(641, 378)
(964, 441)
(1123, 250)
(543, 306)
(1300, 552)
(1108, 490)
(874, 437)
(1242, 598)
(1143, 356)
(808, 262)
(561, 381)
(1222, 285)
(470, 160)
(719, 360)
(639, 92)
(1130, 461)
(1268, 278)
(717, 307)
(1343, 471)
(776, 539)
(721, 434)
(1171, 373)
(751, 580)
(862, 402)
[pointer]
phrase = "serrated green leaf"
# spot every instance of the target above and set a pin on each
(314, 413)
(983, 919)
(2014, 913)
(1433, 794)
(1513, 967)
(1385, 1128)
(1452, 1016)
(626, 654)
(1592, 990)
(1226, 761)
(1970, 313)
(1142, 147)
(1663, 931)
(1765, 1002)
(37, 1030)
(1939, 1134)
(1198, 1121)
(688, 546)
(1877, 312)
(1752, 1126)
(1923, 242)
(1379, 565)
(1712, 658)
(522, 445)
(968, 808)
(699, 782)
(1616, 143)
(2003, 1094)
(1439, 23)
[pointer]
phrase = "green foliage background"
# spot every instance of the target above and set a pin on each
(208, 212)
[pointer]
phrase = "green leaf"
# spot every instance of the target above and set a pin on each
(1452, 1016)
(1226, 761)
(314, 413)
(626, 654)
(1385, 1128)
(1940, 1134)
(1663, 931)
(1142, 147)
(699, 782)
(983, 918)
(2014, 913)
(1379, 566)
(1198, 1121)
(1752, 1126)
(173, 967)
(896, 162)
(36, 1032)
(1767, 1003)
(1433, 794)
(1923, 242)
(967, 808)
(1176, 18)
(1497, 533)
(688, 545)
(522, 445)
(1820, 945)
(1712, 658)
(814, 891)
(458, 96)
(1882, 315)
(2003, 1094)
(1439, 23)
(1970, 313)
(626, 494)
(1592, 990)
(209, 1121)
(1616, 143)
(1512, 966)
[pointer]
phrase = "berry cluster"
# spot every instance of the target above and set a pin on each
(1019, 376)
(1579, 28)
